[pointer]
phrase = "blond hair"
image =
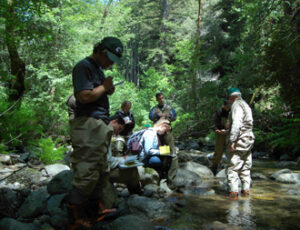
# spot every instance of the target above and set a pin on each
(163, 123)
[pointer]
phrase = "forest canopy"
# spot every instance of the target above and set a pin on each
(192, 51)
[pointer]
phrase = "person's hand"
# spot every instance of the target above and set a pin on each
(111, 91)
(231, 147)
(223, 131)
(108, 83)
(218, 131)
(160, 114)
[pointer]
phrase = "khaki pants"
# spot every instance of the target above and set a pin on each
(219, 149)
(239, 165)
(169, 140)
(90, 139)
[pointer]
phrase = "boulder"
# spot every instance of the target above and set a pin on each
(35, 204)
(12, 224)
(10, 202)
(5, 159)
(128, 222)
(192, 144)
(185, 178)
(148, 175)
(61, 183)
(52, 170)
(148, 207)
(286, 176)
(221, 174)
(183, 156)
(201, 170)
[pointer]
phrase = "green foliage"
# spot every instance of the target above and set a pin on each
(49, 152)
(246, 44)
(19, 124)
(142, 99)
(286, 137)
(211, 135)
(3, 149)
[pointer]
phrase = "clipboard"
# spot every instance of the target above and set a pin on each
(165, 150)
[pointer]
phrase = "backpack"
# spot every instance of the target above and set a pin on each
(133, 143)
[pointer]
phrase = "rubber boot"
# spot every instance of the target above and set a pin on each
(77, 217)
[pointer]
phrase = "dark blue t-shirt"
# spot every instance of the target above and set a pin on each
(87, 75)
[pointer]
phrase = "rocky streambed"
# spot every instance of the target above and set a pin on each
(32, 196)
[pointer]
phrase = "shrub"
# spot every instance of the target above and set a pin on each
(49, 153)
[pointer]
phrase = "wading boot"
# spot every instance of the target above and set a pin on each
(245, 193)
(77, 217)
(233, 196)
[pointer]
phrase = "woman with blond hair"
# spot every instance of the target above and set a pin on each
(150, 153)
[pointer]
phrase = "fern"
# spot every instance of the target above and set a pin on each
(49, 153)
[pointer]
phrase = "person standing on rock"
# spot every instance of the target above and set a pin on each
(240, 143)
(221, 121)
(164, 111)
(90, 132)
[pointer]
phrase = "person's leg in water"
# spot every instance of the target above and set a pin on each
(219, 149)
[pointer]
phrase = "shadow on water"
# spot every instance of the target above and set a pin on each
(270, 206)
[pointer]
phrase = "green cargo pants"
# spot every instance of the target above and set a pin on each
(129, 176)
(169, 140)
(90, 139)
(219, 149)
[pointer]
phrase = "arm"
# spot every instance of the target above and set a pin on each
(173, 115)
(88, 96)
(237, 119)
(153, 116)
(131, 125)
(150, 143)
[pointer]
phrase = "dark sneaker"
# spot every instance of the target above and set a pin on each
(245, 193)
(233, 196)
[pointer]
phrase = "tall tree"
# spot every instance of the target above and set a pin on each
(17, 65)
(18, 16)
(196, 58)
(163, 27)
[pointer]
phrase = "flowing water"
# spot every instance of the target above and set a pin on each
(270, 206)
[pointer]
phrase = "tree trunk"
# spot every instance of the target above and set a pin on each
(163, 28)
(196, 57)
(105, 13)
(17, 82)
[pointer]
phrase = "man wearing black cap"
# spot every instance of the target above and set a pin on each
(90, 132)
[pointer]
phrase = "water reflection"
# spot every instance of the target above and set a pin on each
(240, 213)
(271, 205)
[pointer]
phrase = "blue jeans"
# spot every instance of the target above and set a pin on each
(153, 162)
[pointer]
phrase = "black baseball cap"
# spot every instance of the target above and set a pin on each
(114, 48)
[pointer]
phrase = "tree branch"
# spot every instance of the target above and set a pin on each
(13, 105)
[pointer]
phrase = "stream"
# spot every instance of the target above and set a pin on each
(270, 206)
